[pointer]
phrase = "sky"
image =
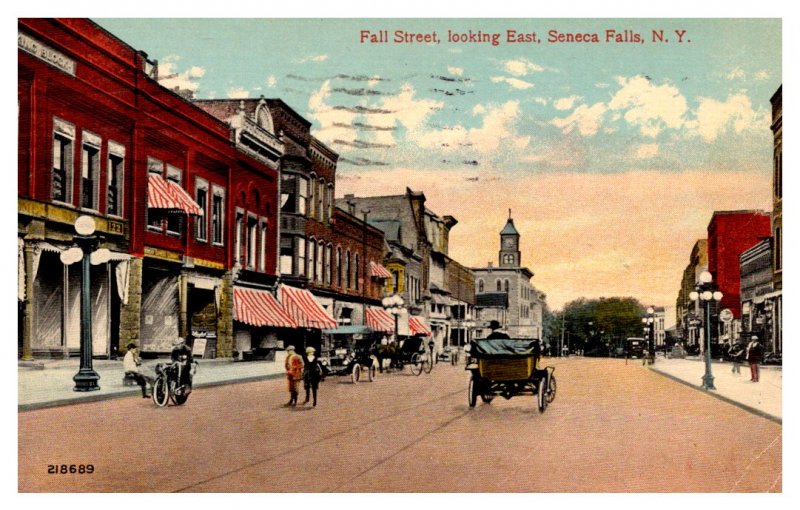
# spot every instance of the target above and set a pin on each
(611, 155)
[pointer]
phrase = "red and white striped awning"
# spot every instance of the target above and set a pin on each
(259, 308)
(163, 194)
(378, 271)
(379, 320)
(304, 308)
(416, 327)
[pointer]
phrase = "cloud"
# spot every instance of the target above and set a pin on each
(521, 67)
(565, 103)
(586, 118)
(646, 151)
(313, 58)
(333, 123)
(272, 81)
(736, 73)
(540, 100)
(458, 71)
(513, 82)
(714, 117)
(170, 78)
(648, 106)
(237, 93)
(761, 75)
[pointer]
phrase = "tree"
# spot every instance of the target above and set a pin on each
(601, 323)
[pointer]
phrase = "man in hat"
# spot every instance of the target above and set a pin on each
(294, 373)
(131, 363)
(754, 355)
(496, 333)
(182, 353)
(313, 373)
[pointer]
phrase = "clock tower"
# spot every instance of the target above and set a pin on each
(510, 255)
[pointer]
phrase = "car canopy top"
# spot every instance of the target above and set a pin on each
(504, 348)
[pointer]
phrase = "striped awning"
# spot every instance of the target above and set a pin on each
(416, 327)
(259, 308)
(379, 319)
(378, 271)
(304, 308)
(163, 194)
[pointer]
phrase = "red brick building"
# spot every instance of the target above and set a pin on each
(729, 234)
(183, 210)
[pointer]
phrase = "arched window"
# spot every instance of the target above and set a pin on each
(356, 273)
(321, 200)
(328, 264)
(499, 285)
(347, 272)
(505, 285)
(311, 252)
(312, 196)
(338, 266)
(319, 276)
(480, 285)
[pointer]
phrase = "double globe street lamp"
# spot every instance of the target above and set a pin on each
(706, 292)
(649, 328)
(394, 305)
(87, 253)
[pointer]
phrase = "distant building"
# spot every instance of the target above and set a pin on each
(505, 293)
(687, 310)
(777, 218)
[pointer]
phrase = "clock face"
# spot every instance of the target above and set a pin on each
(508, 242)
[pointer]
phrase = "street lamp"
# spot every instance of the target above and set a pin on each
(706, 292)
(649, 322)
(394, 304)
(86, 252)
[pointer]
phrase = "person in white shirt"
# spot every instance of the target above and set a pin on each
(131, 363)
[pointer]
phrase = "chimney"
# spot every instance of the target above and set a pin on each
(365, 212)
(489, 264)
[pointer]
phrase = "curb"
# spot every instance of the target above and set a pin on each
(747, 408)
(134, 391)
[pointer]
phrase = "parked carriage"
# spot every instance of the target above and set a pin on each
(508, 367)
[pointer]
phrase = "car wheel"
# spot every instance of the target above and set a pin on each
(541, 395)
(551, 389)
(372, 373)
(472, 392)
(355, 375)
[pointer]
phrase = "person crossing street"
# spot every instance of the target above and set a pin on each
(294, 373)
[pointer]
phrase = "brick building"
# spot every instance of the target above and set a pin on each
(777, 219)
(100, 137)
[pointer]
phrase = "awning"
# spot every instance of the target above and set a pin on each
(378, 271)
(379, 320)
(440, 299)
(348, 330)
(304, 308)
(416, 327)
(163, 194)
(259, 308)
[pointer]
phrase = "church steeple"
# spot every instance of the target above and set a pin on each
(510, 255)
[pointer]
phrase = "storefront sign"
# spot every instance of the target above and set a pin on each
(49, 55)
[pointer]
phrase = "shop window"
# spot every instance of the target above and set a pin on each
(115, 179)
(61, 179)
(200, 222)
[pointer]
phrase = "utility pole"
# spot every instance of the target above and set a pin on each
(561, 347)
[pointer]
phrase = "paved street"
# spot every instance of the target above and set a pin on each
(612, 428)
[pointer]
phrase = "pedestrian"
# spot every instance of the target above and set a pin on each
(754, 355)
(735, 353)
(294, 373)
(313, 373)
(131, 363)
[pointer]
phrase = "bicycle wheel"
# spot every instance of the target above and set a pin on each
(416, 364)
(160, 392)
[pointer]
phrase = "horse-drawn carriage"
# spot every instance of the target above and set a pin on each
(412, 352)
(508, 367)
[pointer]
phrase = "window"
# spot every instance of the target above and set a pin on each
(288, 193)
(90, 170)
(201, 197)
(505, 285)
(312, 195)
(252, 241)
(61, 179)
(480, 285)
(217, 215)
(499, 285)
(115, 179)
(330, 202)
(348, 273)
(262, 245)
(311, 252)
(339, 266)
(396, 278)
(287, 254)
(318, 276)
(302, 195)
(328, 264)
(301, 257)
(155, 217)
(778, 248)
(174, 221)
(356, 271)
(238, 239)
(321, 200)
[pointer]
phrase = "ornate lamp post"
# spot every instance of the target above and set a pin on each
(394, 304)
(649, 322)
(706, 292)
(86, 252)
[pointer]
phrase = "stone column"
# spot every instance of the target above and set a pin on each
(225, 317)
(130, 314)
(183, 304)
(27, 323)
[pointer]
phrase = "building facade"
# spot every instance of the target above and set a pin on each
(688, 311)
(505, 293)
(756, 294)
(777, 218)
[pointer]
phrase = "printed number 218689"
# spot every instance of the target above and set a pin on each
(64, 469)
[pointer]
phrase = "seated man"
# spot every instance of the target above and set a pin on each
(131, 363)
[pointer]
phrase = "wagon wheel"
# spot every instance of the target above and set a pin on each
(416, 364)
(472, 392)
(372, 373)
(541, 395)
(428, 364)
(551, 389)
(355, 375)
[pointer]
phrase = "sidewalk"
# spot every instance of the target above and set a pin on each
(49, 383)
(763, 398)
